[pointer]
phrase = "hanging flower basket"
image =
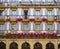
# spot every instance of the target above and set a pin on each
(44, 19)
(55, 18)
(31, 19)
(19, 19)
(31, 35)
(54, 35)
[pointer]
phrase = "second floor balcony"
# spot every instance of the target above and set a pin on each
(36, 17)
(28, 31)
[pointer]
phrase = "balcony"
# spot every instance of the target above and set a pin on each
(37, 17)
(27, 31)
(35, 35)
(28, 3)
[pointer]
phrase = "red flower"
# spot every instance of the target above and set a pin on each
(32, 19)
(19, 19)
(44, 19)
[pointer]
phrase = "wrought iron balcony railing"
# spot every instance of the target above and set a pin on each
(37, 17)
(28, 3)
(27, 31)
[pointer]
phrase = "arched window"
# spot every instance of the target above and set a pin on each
(49, 46)
(58, 46)
(13, 45)
(25, 45)
(2, 45)
(37, 45)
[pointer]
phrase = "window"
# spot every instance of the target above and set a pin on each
(1, 13)
(50, 15)
(7, 24)
(50, 46)
(13, 27)
(2, 45)
(37, 45)
(2, 0)
(26, 0)
(14, 14)
(49, 0)
(43, 0)
(25, 28)
(38, 28)
(37, 0)
(31, 26)
(13, 45)
(13, 0)
(25, 45)
(1, 29)
(49, 27)
(37, 14)
(25, 13)
(59, 26)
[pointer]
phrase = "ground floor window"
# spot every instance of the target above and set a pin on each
(50, 46)
(25, 45)
(58, 46)
(37, 45)
(2, 45)
(13, 45)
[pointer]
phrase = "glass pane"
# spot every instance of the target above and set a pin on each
(50, 15)
(13, 27)
(25, 28)
(37, 14)
(14, 13)
(37, 27)
(49, 27)
(25, 12)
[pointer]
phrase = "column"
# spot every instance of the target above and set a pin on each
(20, 25)
(7, 27)
(19, 45)
(7, 44)
(44, 24)
(31, 14)
(19, 28)
(31, 27)
(31, 46)
(55, 27)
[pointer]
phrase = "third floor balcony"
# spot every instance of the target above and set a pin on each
(29, 2)
(36, 17)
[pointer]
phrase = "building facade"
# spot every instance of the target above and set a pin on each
(29, 24)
